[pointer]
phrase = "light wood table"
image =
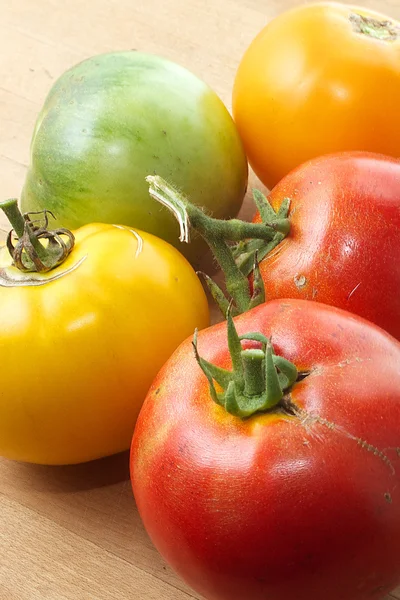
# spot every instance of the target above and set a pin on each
(74, 533)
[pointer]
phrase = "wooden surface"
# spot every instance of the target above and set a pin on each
(74, 533)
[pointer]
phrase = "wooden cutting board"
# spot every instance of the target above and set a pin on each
(74, 533)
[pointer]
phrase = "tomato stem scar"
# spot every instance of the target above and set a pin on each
(382, 30)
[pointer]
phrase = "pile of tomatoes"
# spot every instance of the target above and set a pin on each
(266, 450)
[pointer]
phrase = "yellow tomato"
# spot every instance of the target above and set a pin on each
(318, 79)
(81, 344)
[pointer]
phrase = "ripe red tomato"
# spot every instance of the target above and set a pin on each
(343, 247)
(301, 501)
(317, 79)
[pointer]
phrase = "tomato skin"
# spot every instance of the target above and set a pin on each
(113, 119)
(344, 237)
(278, 506)
(79, 352)
(310, 84)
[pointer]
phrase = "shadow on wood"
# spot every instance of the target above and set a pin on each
(74, 478)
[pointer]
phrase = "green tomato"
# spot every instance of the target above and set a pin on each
(115, 118)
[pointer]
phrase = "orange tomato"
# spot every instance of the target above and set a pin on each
(318, 79)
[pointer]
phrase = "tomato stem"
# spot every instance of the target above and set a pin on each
(28, 253)
(258, 379)
(253, 368)
(236, 261)
(13, 214)
(20, 225)
(258, 296)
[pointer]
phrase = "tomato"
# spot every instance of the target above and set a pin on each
(299, 501)
(81, 343)
(112, 120)
(318, 79)
(330, 232)
(344, 237)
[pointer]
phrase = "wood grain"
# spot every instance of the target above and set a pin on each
(73, 533)
(40, 549)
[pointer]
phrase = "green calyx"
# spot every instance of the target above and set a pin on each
(238, 246)
(258, 380)
(28, 252)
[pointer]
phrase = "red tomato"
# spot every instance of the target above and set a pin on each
(302, 501)
(343, 247)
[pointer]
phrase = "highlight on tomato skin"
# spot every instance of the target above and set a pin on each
(311, 83)
(284, 502)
